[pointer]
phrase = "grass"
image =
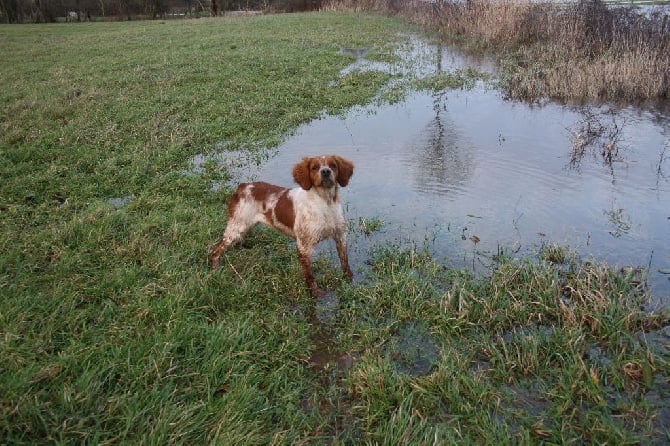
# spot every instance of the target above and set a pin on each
(537, 351)
(113, 330)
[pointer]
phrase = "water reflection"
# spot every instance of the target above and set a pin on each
(620, 220)
(664, 156)
(598, 133)
(438, 161)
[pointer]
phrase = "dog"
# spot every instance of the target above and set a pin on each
(309, 213)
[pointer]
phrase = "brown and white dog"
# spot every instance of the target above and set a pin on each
(309, 213)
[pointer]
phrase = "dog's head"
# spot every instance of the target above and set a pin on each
(323, 171)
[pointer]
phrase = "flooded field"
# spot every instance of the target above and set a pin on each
(468, 174)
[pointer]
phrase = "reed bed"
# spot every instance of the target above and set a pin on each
(580, 51)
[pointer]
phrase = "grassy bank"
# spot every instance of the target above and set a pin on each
(113, 330)
(577, 51)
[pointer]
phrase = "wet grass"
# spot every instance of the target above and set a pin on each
(536, 351)
(113, 330)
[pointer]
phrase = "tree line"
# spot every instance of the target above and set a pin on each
(48, 11)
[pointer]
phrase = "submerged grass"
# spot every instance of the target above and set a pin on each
(113, 330)
(537, 351)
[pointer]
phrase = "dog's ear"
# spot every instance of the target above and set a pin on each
(345, 169)
(301, 174)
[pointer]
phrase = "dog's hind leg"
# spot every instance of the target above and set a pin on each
(234, 232)
(225, 242)
(241, 218)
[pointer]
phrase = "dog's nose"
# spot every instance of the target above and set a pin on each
(325, 172)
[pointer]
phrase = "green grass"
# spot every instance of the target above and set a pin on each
(113, 330)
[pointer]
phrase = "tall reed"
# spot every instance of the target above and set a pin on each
(581, 51)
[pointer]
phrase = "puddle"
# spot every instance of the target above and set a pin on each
(330, 364)
(120, 202)
(326, 355)
(237, 164)
(467, 165)
(413, 350)
(416, 59)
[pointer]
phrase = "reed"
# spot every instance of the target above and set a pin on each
(582, 51)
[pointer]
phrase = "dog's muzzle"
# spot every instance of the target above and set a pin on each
(326, 175)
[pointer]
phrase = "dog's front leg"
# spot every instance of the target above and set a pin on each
(305, 257)
(341, 244)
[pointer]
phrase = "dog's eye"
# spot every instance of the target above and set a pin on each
(333, 166)
(315, 167)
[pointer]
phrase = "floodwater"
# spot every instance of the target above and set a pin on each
(443, 170)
